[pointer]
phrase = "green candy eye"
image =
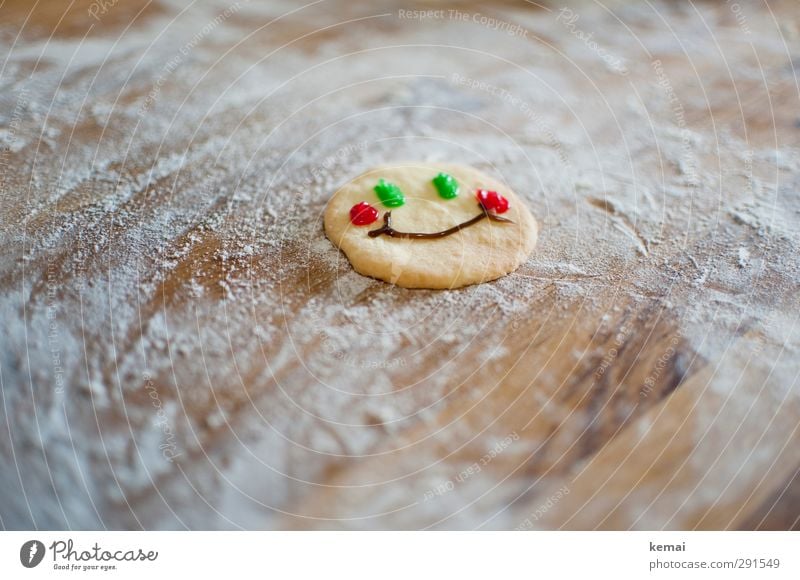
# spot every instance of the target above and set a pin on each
(389, 194)
(446, 185)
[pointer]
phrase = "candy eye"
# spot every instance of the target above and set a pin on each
(446, 185)
(363, 214)
(492, 201)
(389, 194)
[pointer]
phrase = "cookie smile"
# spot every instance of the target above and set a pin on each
(388, 230)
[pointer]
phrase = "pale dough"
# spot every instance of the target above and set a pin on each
(479, 253)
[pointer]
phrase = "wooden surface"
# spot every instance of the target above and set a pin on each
(183, 348)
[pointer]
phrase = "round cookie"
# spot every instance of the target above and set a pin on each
(468, 242)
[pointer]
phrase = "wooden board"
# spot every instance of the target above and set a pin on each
(183, 348)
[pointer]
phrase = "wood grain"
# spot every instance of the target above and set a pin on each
(183, 348)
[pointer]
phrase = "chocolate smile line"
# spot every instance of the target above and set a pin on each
(388, 230)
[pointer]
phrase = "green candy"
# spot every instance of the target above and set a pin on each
(446, 185)
(389, 194)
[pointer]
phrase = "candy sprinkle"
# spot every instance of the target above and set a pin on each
(389, 194)
(363, 214)
(492, 201)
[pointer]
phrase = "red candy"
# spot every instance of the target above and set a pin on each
(363, 214)
(492, 201)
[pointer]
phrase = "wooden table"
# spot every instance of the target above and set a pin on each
(183, 348)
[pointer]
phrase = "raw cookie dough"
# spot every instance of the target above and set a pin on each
(481, 252)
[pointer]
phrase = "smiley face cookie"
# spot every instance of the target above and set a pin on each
(430, 225)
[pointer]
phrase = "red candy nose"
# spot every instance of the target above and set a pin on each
(363, 214)
(492, 201)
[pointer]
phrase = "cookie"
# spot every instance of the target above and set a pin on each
(427, 225)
